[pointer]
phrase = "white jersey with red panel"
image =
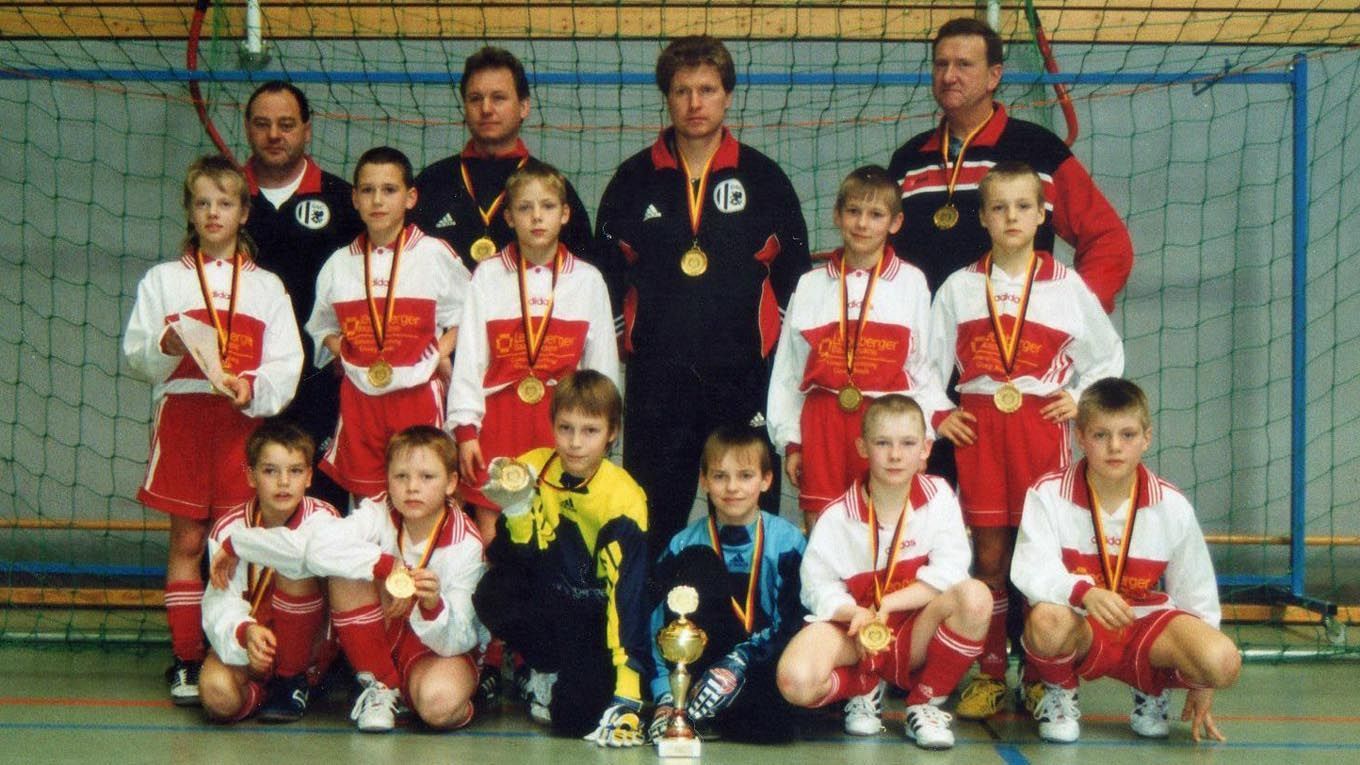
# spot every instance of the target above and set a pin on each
(890, 356)
(837, 568)
(280, 548)
(264, 346)
(1067, 341)
(492, 347)
(432, 284)
(351, 547)
(1056, 559)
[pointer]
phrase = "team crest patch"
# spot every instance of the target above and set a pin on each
(313, 213)
(730, 196)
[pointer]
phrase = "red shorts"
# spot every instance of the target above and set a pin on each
(1126, 655)
(357, 457)
(830, 460)
(1011, 452)
(197, 466)
(509, 429)
(407, 651)
(893, 664)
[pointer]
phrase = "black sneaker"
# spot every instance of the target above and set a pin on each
(488, 692)
(183, 679)
(287, 700)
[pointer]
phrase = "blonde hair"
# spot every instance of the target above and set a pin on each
(871, 183)
(535, 170)
(424, 437)
(222, 172)
(891, 405)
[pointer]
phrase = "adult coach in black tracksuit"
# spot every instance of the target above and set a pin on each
(299, 215)
(702, 241)
(460, 198)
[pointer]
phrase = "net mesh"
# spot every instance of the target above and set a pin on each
(96, 128)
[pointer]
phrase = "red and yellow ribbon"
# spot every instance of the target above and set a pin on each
(1114, 570)
(1008, 344)
(746, 615)
(534, 337)
(380, 327)
(881, 585)
(489, 213)
(223, 328)
(852, 346)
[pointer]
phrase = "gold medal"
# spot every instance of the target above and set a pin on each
(694, 262)
(1007, 398)
(380, 374)
(874, 637)
(400, 584)
(530, 390)
(511, 476)
(946, 217)
(849, 398)
(483, 248)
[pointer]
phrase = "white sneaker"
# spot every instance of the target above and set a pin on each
(863, 714)
(1151, 715)
(928, 726)
(1058, 714)
(375, 711)
(539, 690)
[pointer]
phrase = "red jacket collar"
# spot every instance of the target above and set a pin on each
(663, 157)
(1081, 492)
(311, 177)
(519, 151)
(987, 137)
(1047, 270)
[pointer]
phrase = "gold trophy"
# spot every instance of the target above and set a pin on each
(681, 643)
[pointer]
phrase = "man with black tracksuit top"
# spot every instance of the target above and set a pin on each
(702, 241)
(460, 198)
(299, 215)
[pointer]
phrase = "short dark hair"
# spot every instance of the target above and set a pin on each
(735, 438)
(591, 393)
(492, 57)
(970, 27)
(280, 86)
(386, 155)
(692, 51)
(283, 433)
(1010, 169)
(1113, 395)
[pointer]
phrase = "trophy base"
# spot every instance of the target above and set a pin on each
(678, 748)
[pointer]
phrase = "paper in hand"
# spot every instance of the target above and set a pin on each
(201, 340)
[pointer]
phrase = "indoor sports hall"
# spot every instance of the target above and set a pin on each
(1225, 133)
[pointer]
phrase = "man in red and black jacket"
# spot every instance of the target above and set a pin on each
(942, 232)
(299, 215)
(702, 241)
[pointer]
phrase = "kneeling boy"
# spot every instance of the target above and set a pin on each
(1095, 541)
(744, 564)
(263, 620)
(890, 553)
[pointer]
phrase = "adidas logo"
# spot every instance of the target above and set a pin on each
(650, 213)
(446, 221)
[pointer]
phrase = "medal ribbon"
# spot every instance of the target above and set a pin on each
(1114, 571)
(747, 615)
(694, 197)
(223, 330)
(958, 161)
(579, 488)
(380, 327)
(881, 585)
(257, 581)
(533, 339)
(851, 347)
(488, 213)
(1008, 345)
(429, 543)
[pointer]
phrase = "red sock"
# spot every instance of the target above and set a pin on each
(252, 696)
(184, 613)
(495, 653)
(993, 661)
(364, 641)
(297, 620)
(948, 656)
(847, 682)
(1058, 671)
